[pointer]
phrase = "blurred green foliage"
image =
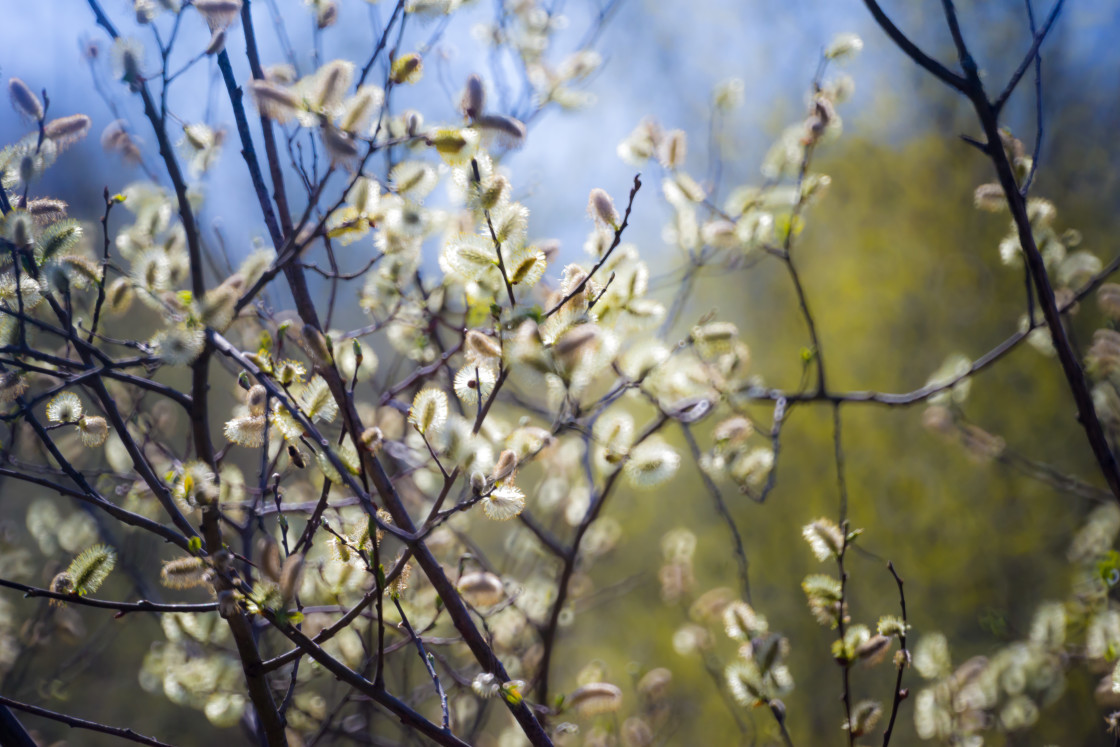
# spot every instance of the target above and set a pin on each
(901, 271)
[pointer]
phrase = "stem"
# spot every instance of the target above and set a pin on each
(80, 723)
(988, 114)
(899, 693)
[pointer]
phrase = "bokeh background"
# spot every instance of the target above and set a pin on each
(899, 267)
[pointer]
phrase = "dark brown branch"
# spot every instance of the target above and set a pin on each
(247, 150)
(838, 457)
(920, 395)
(407, 715)
(912, 51)
(899, 693)
(139, 461)
(781, 412)
(421, 373)
(186, 212)
(841, 625)
(275, 170)
(402, 525)
(80, 723)
(967, 63)
(269, 719)
(325, 634)
(108, 367)
(108, 404)
(724, 512)
(494, 238)
(200, 374)
(1048, 475)
(122, 608)
(380, 43)
(222, 345)
(1071, 365)
(1032, 54)
(427, 665)
(546, 537)
(12, 732)
(104, 266)
(1039, 121)
(598, 500)
(89, 494)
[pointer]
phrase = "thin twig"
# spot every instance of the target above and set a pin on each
(724, 512)
(598, 500)
(109, 202)
(912, 51)
(427, 664)
(899, 693)
(841, 626)
(606, 255)
(80, 723)
(122, 608)
(1032, 53)
(922, 394)
(1038, 118)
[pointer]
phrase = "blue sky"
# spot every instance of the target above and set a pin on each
(662, 59)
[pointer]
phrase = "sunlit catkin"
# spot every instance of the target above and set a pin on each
(184, 573)
(291, 574)
(673, 149)
(473, 99)
(481, 589)
(428, 411)
(595, 698)
(316, 346)
(509, 131)
(218, 14)
(504, 503)
(407, 69)
(66, 407)
(481, 347)
(255, 399)
(24, 100)
(90, 569)
(127, 57)
(843, 47)
(874, 649)
(65, 131)
(217, 42)
(246, 431)
(865, 715)
(825, 538)
(273, 100)
(601, 208)
(505, 467)
(47, 210)
(93, 429)
(12, 386)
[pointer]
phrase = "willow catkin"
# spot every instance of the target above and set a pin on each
(24, 100)
(473, 99)
(90, 569)
(184, 573)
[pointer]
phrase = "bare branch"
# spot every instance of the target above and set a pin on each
(912, 51)
(80, 723)
(122, 608)
(1031, 55)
